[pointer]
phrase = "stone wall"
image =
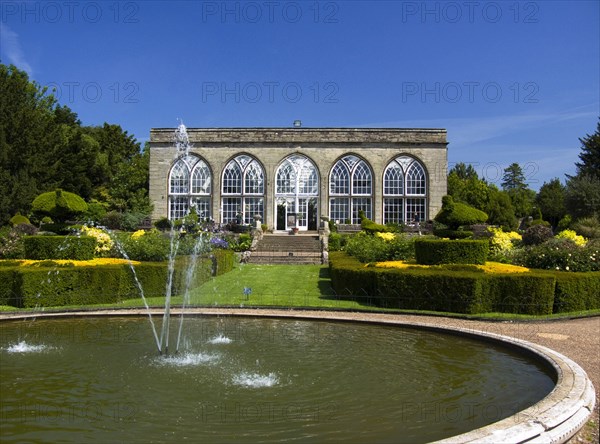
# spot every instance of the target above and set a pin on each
(324, 146)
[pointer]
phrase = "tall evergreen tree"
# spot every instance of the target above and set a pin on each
(464, 172)
(590, 155)
(26, 135)
(513, 178)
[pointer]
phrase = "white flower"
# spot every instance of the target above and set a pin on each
(567, 268)
(557, 268)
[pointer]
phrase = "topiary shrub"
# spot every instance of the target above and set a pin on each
(439, 251)
(60, 205)
(59, 247)
(369, 226)
(457, 214)
(537, 235)
(62, 229)
(18, 219)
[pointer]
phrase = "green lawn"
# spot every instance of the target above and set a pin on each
(272, 285)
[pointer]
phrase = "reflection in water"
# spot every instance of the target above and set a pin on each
(249, 380)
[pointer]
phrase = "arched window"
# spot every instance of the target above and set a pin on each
(243, 190)
(296, 193)
(404, 191)
(189, 186)
(350, 190)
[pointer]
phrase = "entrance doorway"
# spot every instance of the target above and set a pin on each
(296, 194)
(299, 212)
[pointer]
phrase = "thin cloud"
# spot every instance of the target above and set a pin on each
(473, 130)
(12, 49)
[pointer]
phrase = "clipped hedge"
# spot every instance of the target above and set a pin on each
(59, 247)
(10, 282)
(464, 291)
(525, 293)
(577, 291)
(453, 234)
(50, 285)
(440, 251)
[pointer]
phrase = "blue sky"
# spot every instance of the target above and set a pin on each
(511, 81)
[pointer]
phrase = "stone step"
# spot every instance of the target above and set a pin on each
(287, 249)
(258, 253)
(285, 260)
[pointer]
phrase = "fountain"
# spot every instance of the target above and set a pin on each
(246, 380)
(275, 380)
(182, 143)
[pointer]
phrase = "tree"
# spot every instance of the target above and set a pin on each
(465, 186)
(522, 200)
(521, 197)
(26, 127)
(43, 147)
(551, 201)
(582, 196)
(513, 178)
(590, 155)
(128, 189)
(500, 210)
(464, 172)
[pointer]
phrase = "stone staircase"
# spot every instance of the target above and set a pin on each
(287, 249)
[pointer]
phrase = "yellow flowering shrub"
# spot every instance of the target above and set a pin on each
(497, 267)
(138, 234)
(489, 267)
(502, 241)
(103, 241)
(386, 236)
(67, 262)
(398, 264)
(572, 235)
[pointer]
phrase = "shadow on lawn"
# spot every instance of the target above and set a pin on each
(329, 294)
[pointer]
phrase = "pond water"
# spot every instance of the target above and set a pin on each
(254, 380)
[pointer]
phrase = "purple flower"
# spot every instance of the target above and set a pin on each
(219, 243)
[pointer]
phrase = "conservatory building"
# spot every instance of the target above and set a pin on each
(291, 177)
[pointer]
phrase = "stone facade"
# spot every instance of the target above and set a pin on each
(376, 147)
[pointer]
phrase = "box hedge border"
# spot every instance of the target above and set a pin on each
(535, 293)
(53, 286)
(459, 251)
(59, 247)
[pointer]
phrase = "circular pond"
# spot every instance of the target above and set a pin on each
(255, 380)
